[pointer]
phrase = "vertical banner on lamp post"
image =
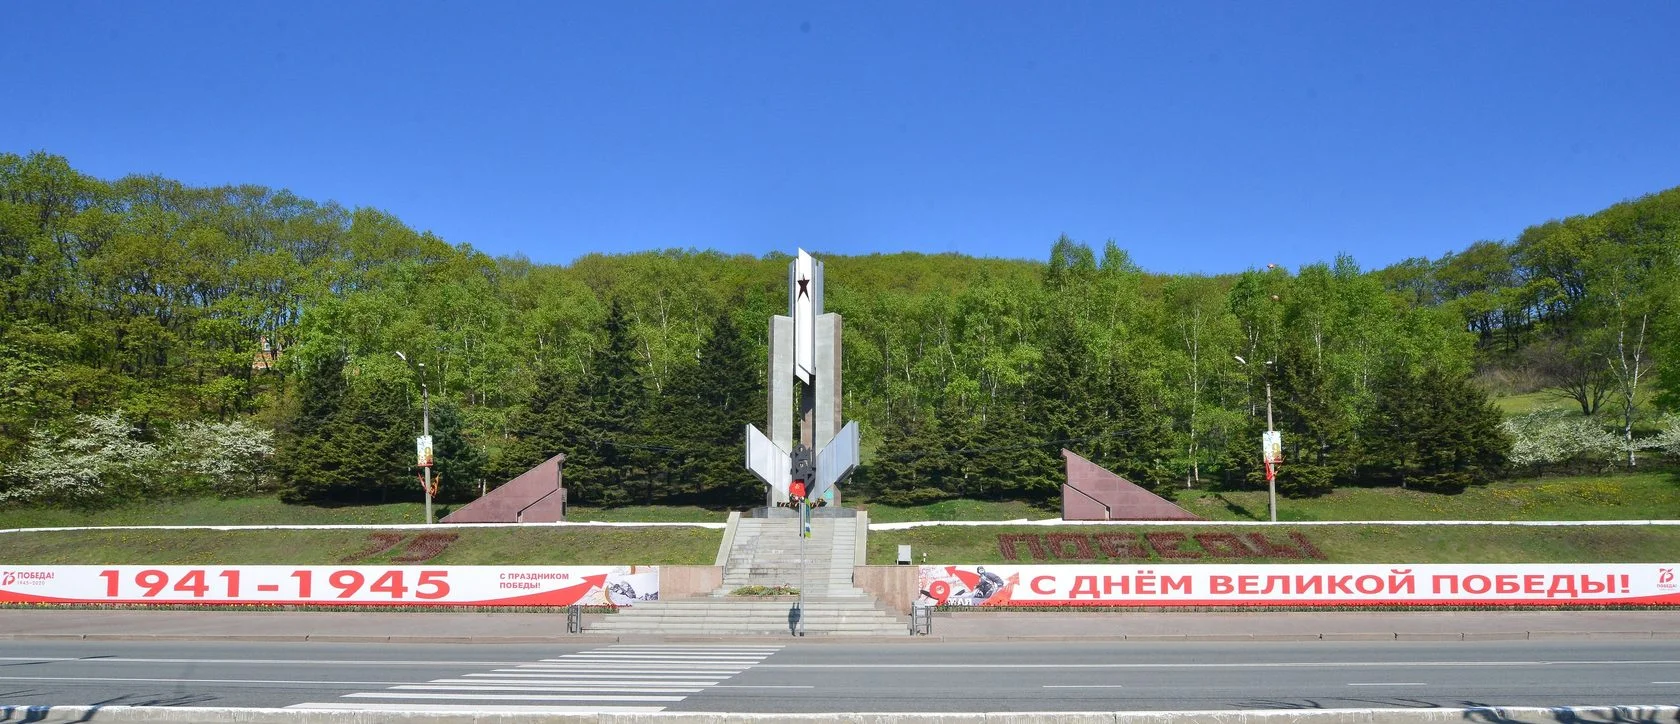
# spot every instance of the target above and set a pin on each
(423, 450)
(1271, 447)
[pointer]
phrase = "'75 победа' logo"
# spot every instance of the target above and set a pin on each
(25, 578)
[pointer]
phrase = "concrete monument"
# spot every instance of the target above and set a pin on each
(537, 496)
(1093, 493)
(804, 362)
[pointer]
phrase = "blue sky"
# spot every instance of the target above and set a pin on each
(1203, 137)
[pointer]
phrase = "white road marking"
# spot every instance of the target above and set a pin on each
(693, 647)
(696, 655)
(511, 697)
(686, 671)
(221, 662)
(648, 674)
(576, 682)
(333, 684)
(639, 658)
(627, 670)
(539, 687)
(764, 686)
(1275, 665)
(1083, 686)
(475, 708)
(1387, 683)
(583, 674)
(656, 662)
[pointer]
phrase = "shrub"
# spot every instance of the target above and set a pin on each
(1558, 439)
(765, 591)
(914, 496)
(225, 458)
(102, 458)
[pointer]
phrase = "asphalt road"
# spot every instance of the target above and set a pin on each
(830, 677)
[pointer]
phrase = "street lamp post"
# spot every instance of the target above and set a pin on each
(425, 432)
(1271, 478)
(1271, 475)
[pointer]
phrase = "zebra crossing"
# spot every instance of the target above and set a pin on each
(622, 678)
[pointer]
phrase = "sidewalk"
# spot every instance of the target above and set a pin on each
(421, 627)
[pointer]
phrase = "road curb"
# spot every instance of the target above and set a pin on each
(230, 715)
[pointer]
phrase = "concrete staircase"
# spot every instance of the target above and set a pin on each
(766, 552)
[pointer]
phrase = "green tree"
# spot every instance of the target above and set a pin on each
(704, 411)
(1461, 442)
(1319, 444)
(343, 445)
(456, 460)
(609, 432)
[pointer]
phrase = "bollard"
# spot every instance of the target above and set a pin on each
(574, 619)
(921, 619)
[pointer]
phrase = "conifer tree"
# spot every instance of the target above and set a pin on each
(536, 430)
(1137, 443)
(1062, 408)
(309, 454)
(460, 463)
(345, 444)
(703, 416)
(1460, 441)
(1318, 439)
(608, 434)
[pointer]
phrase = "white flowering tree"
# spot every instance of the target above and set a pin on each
(1667, 438)
(225, 458)
(1559, 438)
(101, 457)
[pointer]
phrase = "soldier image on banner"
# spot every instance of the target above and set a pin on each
(1271, 452)
(958, 586)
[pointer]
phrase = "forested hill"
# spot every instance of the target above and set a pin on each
(159, 339)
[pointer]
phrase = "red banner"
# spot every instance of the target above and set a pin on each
(1541, 584)
(333, 585)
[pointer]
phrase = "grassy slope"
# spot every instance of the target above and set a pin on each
(480, 546)
(1531, 401)
(1636, 496)
(268, 511)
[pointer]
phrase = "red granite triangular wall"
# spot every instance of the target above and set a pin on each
(534, 497)
(1090, 486)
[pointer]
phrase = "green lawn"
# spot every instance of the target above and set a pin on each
(957, 510)
(474, 546)
(1636, 496)
(269, 511)
(1374, 543)
(1632, 496)
(1532, 401)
